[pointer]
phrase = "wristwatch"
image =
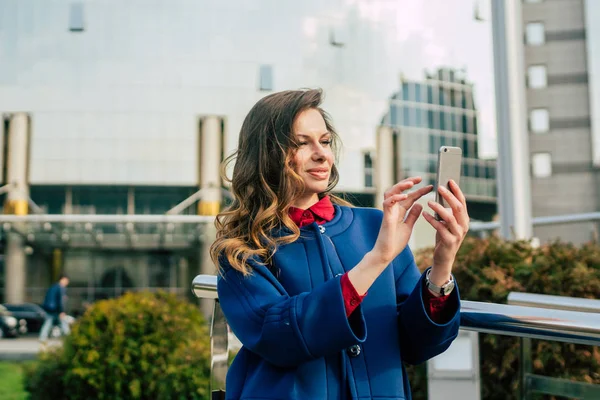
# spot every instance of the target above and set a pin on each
(443, 290)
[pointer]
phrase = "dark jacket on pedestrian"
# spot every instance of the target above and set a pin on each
(54, 300)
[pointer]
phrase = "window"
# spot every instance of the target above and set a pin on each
(394, 115)
(76, 17)
(539, 120)
(534, 34)
(405, 116)
(266, 78)
(442, 120)
(429, 94)
(536, 77)
(418, 92)
(405, 95)
(368, 170)
(541, 165)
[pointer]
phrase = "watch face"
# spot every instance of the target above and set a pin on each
(448, 287)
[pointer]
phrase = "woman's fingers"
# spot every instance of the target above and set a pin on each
(402, 186)
(417, 194)
(463, 214)
(457, 202)
(393, 199)
(456, 206)
(440, 227)
(447, 217)
(457, 192)
(403, 201)
(413, 215)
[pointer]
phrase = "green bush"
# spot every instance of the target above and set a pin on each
(138, 346)
(488, 270)
(43, 379)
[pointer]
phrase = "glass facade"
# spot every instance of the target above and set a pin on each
(440, 111)
(115, 91)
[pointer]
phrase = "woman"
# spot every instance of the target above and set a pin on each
(325, 298)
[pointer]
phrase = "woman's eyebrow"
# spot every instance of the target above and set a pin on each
(303, 135)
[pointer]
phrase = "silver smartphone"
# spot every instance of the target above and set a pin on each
(448, 167)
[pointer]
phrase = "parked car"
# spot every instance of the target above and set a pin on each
(9, 325)
(32, 313)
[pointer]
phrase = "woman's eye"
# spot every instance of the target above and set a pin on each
(302, 144)
(326, 142)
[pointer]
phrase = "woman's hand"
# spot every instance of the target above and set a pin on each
(395, 230)
(450, 231)
(398, 221)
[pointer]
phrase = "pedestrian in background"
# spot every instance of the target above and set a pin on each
(54, 305)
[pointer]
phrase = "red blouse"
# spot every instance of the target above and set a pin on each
(323, 211)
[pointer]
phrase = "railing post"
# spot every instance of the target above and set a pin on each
(525, 368)
(219, 353)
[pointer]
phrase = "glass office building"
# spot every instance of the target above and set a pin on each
(440, 111)
(124, 109)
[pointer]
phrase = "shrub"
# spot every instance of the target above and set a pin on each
(488, 270)
(138, 346)
(43, 379)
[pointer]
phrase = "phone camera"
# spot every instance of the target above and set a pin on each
(445, 149)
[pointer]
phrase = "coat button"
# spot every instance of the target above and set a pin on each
(353, 351)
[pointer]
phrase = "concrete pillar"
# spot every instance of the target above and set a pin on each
(58, 261)
(17, 165)
(16, 203)
(14, 257)
(211, 142)
(514, 182)
(68, 207)
(131, 201)
(384, 163)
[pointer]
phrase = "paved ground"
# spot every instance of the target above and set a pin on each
(23, 348)
(27, 347)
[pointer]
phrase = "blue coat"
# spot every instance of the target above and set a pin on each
(298, 342)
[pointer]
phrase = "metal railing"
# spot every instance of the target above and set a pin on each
(530, 382)
(554, 318)
(477, 226)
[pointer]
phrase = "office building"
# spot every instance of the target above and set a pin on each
(115, 113)
(425, 115)
(562, 65)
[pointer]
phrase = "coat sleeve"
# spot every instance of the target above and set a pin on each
(420, 337)
(287, 330)
(60, 299)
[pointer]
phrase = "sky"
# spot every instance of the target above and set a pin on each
(445, 33)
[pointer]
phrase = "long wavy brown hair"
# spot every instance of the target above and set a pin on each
(264, 183)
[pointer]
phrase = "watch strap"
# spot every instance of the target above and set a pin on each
(443, 290)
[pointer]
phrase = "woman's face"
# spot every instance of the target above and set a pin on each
(314, 157)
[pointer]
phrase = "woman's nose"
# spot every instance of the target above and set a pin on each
(319, 152)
